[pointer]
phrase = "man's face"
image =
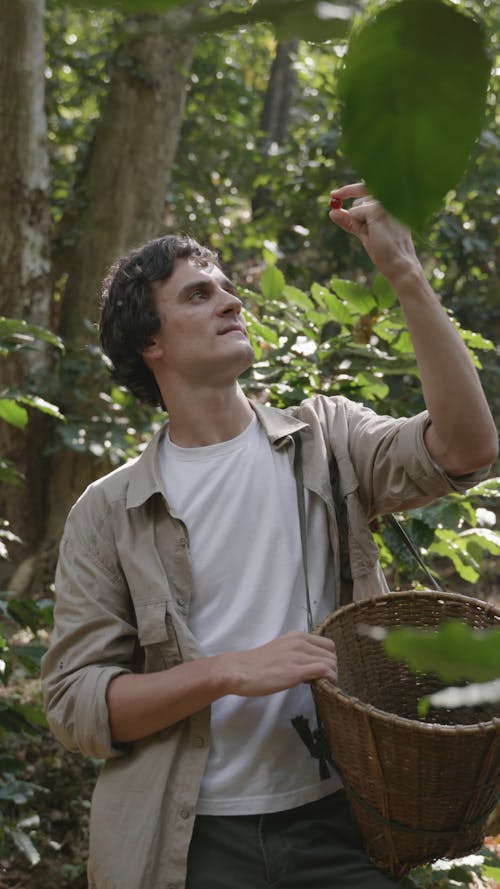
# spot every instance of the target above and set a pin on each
(203, 338)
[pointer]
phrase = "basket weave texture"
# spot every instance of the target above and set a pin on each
(420, 790)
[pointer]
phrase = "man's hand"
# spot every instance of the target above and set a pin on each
(283, 663)
(141, 704)
(387, 242)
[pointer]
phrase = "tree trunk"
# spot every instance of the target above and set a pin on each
(279, 95)
(128, 167)
(276, 110)
(124, 190)
(24, 168)
(24, 236)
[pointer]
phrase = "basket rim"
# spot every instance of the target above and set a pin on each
(406, 594)
(331, 690)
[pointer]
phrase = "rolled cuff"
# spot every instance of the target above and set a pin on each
(423, 469)
(86, 729)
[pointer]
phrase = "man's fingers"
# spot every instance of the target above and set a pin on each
(324, 641)
(342, 218)
(367, 201)
(322, 671)
(355, 190)
(351, 222)
(355, 221)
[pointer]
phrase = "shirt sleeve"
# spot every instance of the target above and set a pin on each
(393, 466)
(94, 639)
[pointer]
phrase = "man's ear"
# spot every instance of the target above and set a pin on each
(152, 352)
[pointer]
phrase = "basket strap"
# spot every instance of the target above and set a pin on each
(405, 537)
(346, 582)
(340, 510)
(299, 482)
(314, 741)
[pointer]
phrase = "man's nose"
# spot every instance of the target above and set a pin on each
(230, 303)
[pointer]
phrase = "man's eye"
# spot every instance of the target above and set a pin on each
(197, 295)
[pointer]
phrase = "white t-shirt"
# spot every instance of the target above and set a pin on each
(239, 504)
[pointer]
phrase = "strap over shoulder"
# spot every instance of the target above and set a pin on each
(346, 583)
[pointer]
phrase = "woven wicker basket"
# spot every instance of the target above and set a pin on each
(420, 790)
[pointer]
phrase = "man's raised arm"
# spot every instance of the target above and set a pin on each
(461, 436)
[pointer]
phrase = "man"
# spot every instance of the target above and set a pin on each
(179, 653)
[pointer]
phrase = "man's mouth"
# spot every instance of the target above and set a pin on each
(231, 328)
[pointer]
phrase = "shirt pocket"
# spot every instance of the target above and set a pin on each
(363, 550)
(157, 636)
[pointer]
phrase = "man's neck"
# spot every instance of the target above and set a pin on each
(208, 416)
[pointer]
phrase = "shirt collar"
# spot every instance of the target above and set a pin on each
(145, 481)
(278, 424)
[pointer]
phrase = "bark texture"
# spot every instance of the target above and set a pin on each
(275, 116)
(279, 94)
(24, 236)
(24, 173)
(123, 196)
(129, 165)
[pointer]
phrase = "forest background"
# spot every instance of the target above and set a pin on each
(222, 120)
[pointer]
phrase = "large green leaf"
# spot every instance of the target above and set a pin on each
(297, 297)
(336, 308)
(42, 405)
(14, 332)
(413, 91)
(13, 413)
(356, 296)
(455, 651)
(272, 282)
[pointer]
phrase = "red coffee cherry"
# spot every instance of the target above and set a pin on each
(335, 203)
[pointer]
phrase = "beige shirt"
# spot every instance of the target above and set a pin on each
(123, 588)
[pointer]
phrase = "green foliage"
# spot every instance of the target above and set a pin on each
(13, 413)
(23, 625)
(23, 622)
(117, 426)
(80, 47)
(413, 92)
(18, 336)
(459, 528)
(454, 651)
(345, 338)
(463, 873)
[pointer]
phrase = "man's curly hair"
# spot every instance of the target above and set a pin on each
(129, 318)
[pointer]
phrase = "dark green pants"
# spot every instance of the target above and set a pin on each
(316, 846)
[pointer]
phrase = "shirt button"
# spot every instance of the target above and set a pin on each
(180, 601)
(184, 813)
(198, 741)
